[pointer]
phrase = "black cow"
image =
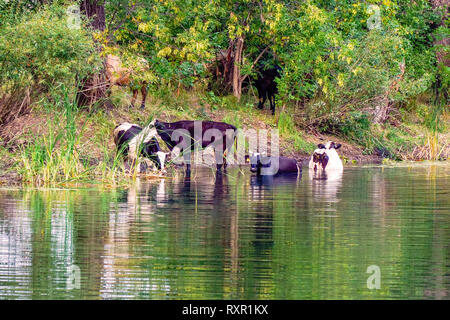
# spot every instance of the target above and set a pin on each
(285, 165)
(133, 142)
(267, 86)
(166, 132)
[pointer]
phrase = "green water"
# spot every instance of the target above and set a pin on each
(233, 237)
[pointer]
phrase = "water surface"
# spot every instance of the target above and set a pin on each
(233, 237)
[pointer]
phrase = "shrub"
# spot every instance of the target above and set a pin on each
(39, 54)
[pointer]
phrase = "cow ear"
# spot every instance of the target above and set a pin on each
(337, 146)
(321, 146)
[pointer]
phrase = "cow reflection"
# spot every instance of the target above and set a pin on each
(262, 191)
(326, 184)
(143, 197)
(201, 185)
(268, 182)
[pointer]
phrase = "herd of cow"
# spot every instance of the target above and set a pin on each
(135, 143)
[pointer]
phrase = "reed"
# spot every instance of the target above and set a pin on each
(58, 157)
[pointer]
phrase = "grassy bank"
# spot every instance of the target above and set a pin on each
(71, 146)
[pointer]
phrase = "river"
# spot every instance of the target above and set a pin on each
(372, 232)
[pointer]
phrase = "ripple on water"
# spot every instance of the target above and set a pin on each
(233, 236)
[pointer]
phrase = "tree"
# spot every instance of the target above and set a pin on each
(441, 43)
(95, 12)
(94, 88)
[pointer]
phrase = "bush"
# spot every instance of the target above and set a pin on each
(39, 54)
(361, 74)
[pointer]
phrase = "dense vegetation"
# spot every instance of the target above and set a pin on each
(375, 73)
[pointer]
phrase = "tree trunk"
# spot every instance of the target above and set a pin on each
(96, 86)
(95, 11)
(237, 79)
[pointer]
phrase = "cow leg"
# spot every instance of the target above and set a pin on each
(219, 165)
(222, 156)
(227, 145)
(134, 97)
(127, 166)
(272, 102)
(262, 99)
(225, 164)
(225, 155)
(144, 95)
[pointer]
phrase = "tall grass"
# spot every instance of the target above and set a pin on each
(57, 157)
(434, 123)
(288, 130)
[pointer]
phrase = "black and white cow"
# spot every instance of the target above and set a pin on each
(326, 158)
(184, 133)
(134, 142)
(267, 165)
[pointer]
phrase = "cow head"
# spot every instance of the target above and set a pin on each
(324, 154)
(158, 125)
(255, 162)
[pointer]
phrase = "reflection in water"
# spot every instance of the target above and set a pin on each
(15, 249)
(262, 189)
(205, 235)
(142, 201)
(326, 184)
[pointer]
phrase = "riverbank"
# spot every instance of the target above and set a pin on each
(69, 146)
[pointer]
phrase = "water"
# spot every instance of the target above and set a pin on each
(233, 237)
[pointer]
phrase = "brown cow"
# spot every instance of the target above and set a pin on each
(117, 74)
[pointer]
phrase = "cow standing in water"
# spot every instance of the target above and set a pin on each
(273, 165)
(267, 87)
(117, 74)
(135, 142)
(325, 157)
(182, 133)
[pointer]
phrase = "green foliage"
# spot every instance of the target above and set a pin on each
(288, 131)
(286, 124)
(233, 119)
(300, 144)
(12, 10)
(53, 157)
(41, 52)
(325, 48)
(333, 65)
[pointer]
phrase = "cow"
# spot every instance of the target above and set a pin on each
(183, 133)
(134, 142)
(117, 74)
(267, 87)
(325, 157)
(284, 165)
